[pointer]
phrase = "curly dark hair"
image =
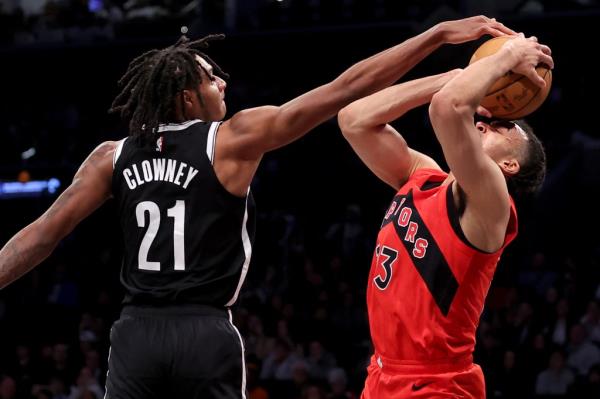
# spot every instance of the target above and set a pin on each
(153, 81)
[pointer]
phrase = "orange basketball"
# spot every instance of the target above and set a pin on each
(513, 96)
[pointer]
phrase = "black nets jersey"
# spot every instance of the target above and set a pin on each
(187, 239)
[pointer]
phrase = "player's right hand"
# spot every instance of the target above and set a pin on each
(472, 28)
(527, 54)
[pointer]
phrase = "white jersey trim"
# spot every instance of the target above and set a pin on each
(243, 354)
(247, 252)
(211, 141)
(117, 153)
(177, 126)
(107, 371)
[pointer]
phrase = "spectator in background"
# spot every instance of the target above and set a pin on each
(338, 384)
(558, 329)
(278, 364)
(60, 363)
(300, 377)
(522, 324)
(64, 291)
(92, 363)
(582, 353)
(319, 360)
(591, 321)
(556, 379)
(257, 343)
(346, 235)
(86, 385)
(283, 333)
(536, 276)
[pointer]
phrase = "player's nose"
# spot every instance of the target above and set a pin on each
(222, 84)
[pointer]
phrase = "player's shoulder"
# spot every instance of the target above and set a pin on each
(106, 147)
(427, 173)
(104, 153)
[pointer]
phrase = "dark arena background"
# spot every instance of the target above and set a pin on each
(302, 310)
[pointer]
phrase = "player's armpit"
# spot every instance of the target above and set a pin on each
(91, 186)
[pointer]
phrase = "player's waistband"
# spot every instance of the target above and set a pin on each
(174, 310)
(448, 365)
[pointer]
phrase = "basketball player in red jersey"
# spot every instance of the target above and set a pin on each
(443, 233)
(185, 265)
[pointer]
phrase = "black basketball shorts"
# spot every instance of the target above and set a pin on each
(184, 352)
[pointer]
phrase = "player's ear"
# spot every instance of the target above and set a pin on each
(184, 104)
(187, 97)
(510, 167)
(481, 126)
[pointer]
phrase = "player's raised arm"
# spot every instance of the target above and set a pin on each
(365, 124)
(89, 189)
(482, 157)
(253, 132)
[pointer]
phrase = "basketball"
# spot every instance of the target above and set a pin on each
(513, 96)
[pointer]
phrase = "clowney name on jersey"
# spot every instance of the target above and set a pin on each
(159, 169)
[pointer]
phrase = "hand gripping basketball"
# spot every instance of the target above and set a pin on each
(515, 95)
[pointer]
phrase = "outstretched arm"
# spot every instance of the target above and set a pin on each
(451, 112)
(365, 124)
(253, 132)
(91, 186)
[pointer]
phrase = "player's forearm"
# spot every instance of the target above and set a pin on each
(391, 103)
(386, 67)
(466, 90)
(23, 252)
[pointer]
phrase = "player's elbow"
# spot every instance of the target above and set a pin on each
(347, 120)
(350, 121)
(444, 106)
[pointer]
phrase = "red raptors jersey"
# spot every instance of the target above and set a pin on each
(427, 284)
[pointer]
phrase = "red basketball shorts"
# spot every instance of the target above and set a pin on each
(388, 380)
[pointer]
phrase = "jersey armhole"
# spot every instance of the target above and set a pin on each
(211, 141)
(454, 216)
(118, 150)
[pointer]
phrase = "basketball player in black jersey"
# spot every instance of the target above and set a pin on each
(181, 181)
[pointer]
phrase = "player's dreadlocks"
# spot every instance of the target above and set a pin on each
(153, 80)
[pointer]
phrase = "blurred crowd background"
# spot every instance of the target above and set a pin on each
(302, 311)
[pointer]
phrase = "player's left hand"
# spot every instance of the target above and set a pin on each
(467, 29)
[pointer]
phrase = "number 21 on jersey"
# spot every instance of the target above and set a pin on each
(177, 212)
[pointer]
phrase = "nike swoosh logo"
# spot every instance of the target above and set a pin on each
(416, 387)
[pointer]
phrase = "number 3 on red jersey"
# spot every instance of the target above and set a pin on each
(386, 257)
